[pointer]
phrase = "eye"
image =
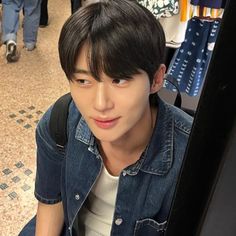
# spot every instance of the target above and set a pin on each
(119, 81)
(83, 82)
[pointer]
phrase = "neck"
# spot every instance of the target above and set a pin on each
(126, 151)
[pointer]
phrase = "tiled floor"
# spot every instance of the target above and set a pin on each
(27, 88)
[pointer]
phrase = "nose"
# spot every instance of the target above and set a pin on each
(103, 99)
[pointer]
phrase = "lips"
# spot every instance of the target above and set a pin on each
(106, 123)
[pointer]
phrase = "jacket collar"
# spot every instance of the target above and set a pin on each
(159, 153)
(158, 156)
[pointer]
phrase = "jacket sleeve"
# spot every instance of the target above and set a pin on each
(49, 164)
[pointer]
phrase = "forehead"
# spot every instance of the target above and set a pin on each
(82, 60)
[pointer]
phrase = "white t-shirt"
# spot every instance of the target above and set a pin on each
(95, 217)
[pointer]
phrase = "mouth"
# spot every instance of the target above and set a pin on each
(106, 123)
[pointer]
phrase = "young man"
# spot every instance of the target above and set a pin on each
(125, 145)
(10, 24)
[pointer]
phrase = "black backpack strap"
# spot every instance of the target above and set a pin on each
(178, 99)
(58, 121)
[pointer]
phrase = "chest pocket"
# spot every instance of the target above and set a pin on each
(149, 227)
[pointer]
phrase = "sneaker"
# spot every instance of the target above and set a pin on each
(11, 51)
(29, 46)
(43, 25)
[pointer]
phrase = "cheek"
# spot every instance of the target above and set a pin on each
(136, 103)
(80, 101)
(139, 96)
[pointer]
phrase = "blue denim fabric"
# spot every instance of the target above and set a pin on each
(145, 188)
(10, 21)
(29, 229)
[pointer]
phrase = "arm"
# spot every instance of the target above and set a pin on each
(50, 219)
(50, 215)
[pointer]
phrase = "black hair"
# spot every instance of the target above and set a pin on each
(122, 36)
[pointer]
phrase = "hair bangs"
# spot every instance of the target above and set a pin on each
(122, 39)
(110, 49)
(103, 58)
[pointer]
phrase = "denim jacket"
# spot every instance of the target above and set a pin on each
(145, 188)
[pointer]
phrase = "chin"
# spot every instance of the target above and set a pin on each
(106, 137)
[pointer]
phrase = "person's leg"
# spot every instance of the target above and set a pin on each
(0, 24)
(10, 24)
(10, 19)
(71, 4)
(31, 23)
(44, 13)
(76, 4)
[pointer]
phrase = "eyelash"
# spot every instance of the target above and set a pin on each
(116, 82)
(119, 80)
(81, 81)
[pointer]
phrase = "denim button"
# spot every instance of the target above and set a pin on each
(118, 221)
(77, 197)
(124, 173)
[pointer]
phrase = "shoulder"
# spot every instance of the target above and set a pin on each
(182, 120)
(42, 128)
(181, 128)
(73, 116)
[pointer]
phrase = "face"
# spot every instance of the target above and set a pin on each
(114, 109)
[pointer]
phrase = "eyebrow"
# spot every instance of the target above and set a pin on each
(82, 71)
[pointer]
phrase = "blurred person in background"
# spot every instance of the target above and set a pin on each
(10, 25)
(44, 14)
(75, 5)
(0, 23)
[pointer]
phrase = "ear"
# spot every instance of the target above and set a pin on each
(158, 79)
